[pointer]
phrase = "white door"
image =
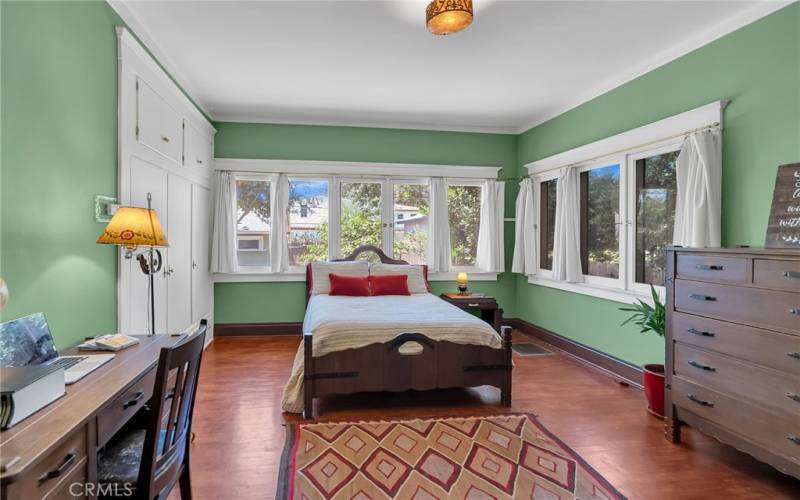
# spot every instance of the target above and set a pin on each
(201, 265)
(178, 268)
(146, 178)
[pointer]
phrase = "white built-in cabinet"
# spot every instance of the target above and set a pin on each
(165, 149)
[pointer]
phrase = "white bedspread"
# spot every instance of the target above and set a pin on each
(340, 323)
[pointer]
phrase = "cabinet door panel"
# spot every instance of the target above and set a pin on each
(201, 274)
(146, 178)
(159, 126)
(179, 235)
(198, 149)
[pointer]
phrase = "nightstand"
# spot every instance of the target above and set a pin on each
(490, 311)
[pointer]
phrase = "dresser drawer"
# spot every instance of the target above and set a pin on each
(772, 430)
(49, 475)
(713, 268)
(761, 386)
(751, 306)
(763, 347)
(777, 274)
(118, 412)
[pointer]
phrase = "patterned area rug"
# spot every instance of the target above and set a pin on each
(496, 457)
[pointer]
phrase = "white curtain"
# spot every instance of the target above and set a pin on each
(698, 209)
(439, 226)
(490, 255)
(567, 245)
(279, 210)
(525, 254)
(223, 243)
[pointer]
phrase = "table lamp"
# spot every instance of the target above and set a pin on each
(462, 283)
(132, 227)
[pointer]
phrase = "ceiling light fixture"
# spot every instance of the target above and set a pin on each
(448, 16)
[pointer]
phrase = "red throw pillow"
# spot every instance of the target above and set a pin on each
(353, 286)
(389, 284)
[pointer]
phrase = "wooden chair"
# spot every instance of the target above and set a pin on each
(152, 459)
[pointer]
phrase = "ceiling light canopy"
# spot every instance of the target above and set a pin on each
(448, 16)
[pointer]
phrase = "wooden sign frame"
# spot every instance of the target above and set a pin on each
(783, 229)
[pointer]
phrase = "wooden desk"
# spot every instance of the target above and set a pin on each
(63, 437)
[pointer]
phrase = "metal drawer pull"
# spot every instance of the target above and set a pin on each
(709, 267)
(795, 355)
(132, 402)
(695, 331)
(199, 161)
(473, 305)
(165, 138)
(793, 396)
(702, 366)
(700, 296)
(699, 401)
(795, 311)
(68, 462)
(791, 274)
(793, 438)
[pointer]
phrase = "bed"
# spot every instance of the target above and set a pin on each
(393, 343)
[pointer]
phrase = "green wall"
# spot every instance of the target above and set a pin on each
(284, 302)
(59, 149)
(758, 67)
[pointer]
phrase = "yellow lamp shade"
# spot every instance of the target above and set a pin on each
(462, 278)
(448, 16)
(132, 227)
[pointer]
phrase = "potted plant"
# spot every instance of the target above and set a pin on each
(650, 319)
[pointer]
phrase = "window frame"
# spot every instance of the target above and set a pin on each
(297, 273)
(538, 181)
(268, 178)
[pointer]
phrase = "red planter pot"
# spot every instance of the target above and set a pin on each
(653, 379)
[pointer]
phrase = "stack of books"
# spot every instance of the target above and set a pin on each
(26, 390)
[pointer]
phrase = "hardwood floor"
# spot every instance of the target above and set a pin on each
(239, 434)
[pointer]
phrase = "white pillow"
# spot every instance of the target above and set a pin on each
(320, 271)
(416, 278)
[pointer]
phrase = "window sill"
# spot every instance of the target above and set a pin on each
(256, 277)
(602, 292)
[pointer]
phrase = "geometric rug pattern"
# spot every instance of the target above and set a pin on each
(476, 458)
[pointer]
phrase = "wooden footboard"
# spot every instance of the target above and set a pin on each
(408, 361)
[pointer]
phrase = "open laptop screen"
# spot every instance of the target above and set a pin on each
(26, 341)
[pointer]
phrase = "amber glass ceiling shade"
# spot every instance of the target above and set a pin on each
(132, 227)
(448, 16)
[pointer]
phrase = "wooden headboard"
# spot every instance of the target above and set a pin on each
(385, 259)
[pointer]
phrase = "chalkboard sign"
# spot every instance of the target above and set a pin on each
(783, 230)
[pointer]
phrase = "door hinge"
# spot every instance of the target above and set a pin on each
(137, 131)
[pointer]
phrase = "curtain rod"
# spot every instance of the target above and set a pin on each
(684, 134)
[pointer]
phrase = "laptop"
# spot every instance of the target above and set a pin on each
(27, 341)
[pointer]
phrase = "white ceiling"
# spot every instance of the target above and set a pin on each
(373, 63)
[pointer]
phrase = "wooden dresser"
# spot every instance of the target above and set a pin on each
(733, 349)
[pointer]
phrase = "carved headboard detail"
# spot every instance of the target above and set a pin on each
(385, 259)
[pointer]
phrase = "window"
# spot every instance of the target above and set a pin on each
(308, 220)
(600, 220)
(253, 222)
(547, 232)
(361, 221)
(464, 211)
(410, 226)
(656, 191)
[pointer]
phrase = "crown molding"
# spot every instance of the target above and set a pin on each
(727, 26)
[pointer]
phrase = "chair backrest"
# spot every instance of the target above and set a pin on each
(169, 425)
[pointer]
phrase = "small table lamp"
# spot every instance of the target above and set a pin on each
(133, 227)
(462, 283)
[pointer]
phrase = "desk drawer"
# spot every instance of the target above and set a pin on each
(71, 487)
(68, 461)
(751, 306)
(713, 268)
(115, 415)
(763, 347)
(761, 386)
(772, 430)
(777, 274)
